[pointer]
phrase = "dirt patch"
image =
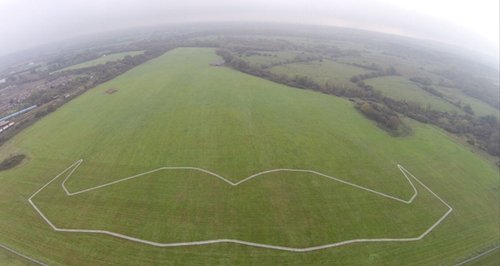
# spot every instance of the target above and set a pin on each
(12, 161)
(111, 90)
(217, 63)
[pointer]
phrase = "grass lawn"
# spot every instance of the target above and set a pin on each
(102, 60)
(480, 108)
(401, 88)
(8, 258)
(271, 57)
(490, 259)
(326, 71)
(177, 110)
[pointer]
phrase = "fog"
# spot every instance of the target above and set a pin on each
(472, 24)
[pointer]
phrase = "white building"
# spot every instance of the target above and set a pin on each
(4, 125)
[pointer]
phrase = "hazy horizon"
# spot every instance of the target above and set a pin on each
(28, 24)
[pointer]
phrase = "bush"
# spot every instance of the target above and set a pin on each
(381, 114)
(12, 161)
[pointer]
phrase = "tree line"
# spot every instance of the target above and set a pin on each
(83, 79)
(482, 132)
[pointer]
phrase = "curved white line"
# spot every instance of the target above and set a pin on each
(405, 172)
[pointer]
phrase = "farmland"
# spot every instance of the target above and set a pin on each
(402, 89)
(478, 107)
(386, 80)
(325, 71)
(177, 110)
(102, 60)
(337, 68)
(269, 58)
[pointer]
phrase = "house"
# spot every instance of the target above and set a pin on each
(4, 125)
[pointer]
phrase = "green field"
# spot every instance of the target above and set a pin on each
(326, 71)
(8, 258)
(489, 259)
(177, 110)
(400, 88)
(269, 57)
(480, 108)
(102, 60)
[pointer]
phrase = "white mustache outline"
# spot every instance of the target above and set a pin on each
(405, 172)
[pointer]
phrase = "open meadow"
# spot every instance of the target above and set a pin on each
(338, 64)
(102, 60)
(401, 88)
(180, 111)
(322, 72)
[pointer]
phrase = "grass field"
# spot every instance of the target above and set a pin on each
(408, 67)
(102, 60)
(7, 258)
(490, 259)
(178, 110)
(480, 108)
(323, 72)
(271, 57)
(400, 88)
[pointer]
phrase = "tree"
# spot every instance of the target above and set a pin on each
(468, 109)
(354, 79)
(367, 108)
(391, 71)
(393, 123)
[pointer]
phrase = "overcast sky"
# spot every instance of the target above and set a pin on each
(471, 24)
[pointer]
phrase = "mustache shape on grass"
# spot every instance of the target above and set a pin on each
(71, 169)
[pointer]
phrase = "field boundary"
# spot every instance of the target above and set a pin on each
(72, 168)
(477, 256)
(22, 255)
